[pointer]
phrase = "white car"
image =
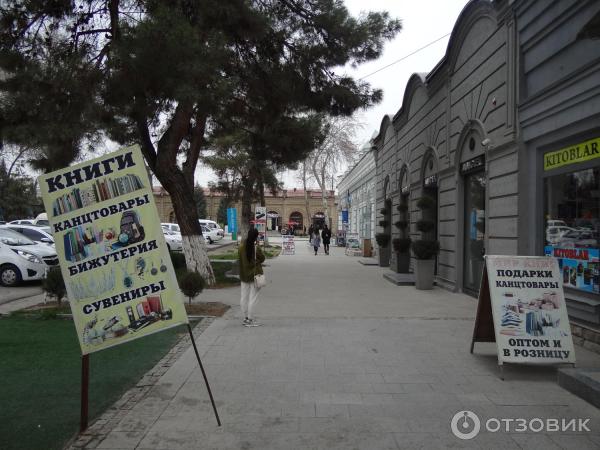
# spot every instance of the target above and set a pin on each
(21, 259)
(211, 224)
(554, 233)
(211, 235)
(171, 227)
(21, 222)
(38, 234)
(173, 240)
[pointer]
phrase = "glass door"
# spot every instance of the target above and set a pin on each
(474, 231)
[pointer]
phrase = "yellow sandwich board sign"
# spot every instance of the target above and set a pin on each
(113, 256)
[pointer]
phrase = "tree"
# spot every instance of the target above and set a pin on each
(200, 200)
(222, 211)
(18, 198)
(336, 150)
(159, 73)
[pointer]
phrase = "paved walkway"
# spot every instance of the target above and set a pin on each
(346, 360)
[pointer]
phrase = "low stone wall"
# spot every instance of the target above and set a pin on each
(587, 338)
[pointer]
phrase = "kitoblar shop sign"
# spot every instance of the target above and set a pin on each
(113, 256)
(522, 308)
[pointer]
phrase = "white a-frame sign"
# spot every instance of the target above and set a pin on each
(522, 308)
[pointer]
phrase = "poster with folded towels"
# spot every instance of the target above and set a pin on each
(522, 298)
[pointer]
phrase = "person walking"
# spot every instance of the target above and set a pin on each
(310, 234)
(316, 240)
(326, 235)
(250, 258)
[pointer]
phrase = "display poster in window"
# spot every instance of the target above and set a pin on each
(579, 267)
(113, 256)
(260, 221)
(352, 240)
(522, 298)
(289, 246)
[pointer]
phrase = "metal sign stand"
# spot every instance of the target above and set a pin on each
(212, 401)
(85, 386)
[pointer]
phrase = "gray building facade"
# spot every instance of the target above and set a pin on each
(455, 140)
(559, 167)
(484, 134)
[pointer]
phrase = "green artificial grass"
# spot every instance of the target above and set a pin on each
(40, 373)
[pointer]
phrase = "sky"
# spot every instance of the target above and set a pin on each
(423, 22)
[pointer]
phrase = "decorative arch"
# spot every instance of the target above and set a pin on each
(470, 142)
(298, 217)
(404, 179)
(386, 187)
(274, 219)
(429, 168)
(466, 23)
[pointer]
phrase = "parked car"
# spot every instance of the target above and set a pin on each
(211, 235)
(555, 223)
(35, 233)
(171, 227)
(554, 233)
(41, 220)
(21, 222)
(21, 259)
(579, 238)
(173, 240)
(213, 226)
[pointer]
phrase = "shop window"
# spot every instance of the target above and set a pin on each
(572, 226)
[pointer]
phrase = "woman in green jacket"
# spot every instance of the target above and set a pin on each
(251, 258)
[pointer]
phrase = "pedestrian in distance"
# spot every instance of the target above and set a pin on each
(250, 258)
(310, 234)
(326, 235)
(316, 240)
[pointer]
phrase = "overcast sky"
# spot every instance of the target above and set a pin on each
(423, 22)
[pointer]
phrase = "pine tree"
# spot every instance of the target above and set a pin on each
(200, 200)
(161, 73)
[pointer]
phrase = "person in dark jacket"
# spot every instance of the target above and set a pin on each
(251, 258)
(326, 236)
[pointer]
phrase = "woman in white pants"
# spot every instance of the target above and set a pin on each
(251, 258)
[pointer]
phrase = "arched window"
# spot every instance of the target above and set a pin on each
(273, 220)
(297, 219)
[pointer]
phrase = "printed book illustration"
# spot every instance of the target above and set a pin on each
(99, 191)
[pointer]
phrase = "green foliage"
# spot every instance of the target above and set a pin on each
(426, 203)
(200, 200)
(425, 226)
(383, 239)
(401, 245)
(18, 198)
(425, 249)
(191, 284)
(178, 260)
(222, 211)
(402, 207)
(176, 76)
(54, 284)
(401, 224)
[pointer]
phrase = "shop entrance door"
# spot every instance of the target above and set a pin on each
(474, 237)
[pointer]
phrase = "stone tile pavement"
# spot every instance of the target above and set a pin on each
(389, 372)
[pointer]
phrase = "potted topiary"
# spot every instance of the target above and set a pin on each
(402, 249)
(383, 241)
(427, 247)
